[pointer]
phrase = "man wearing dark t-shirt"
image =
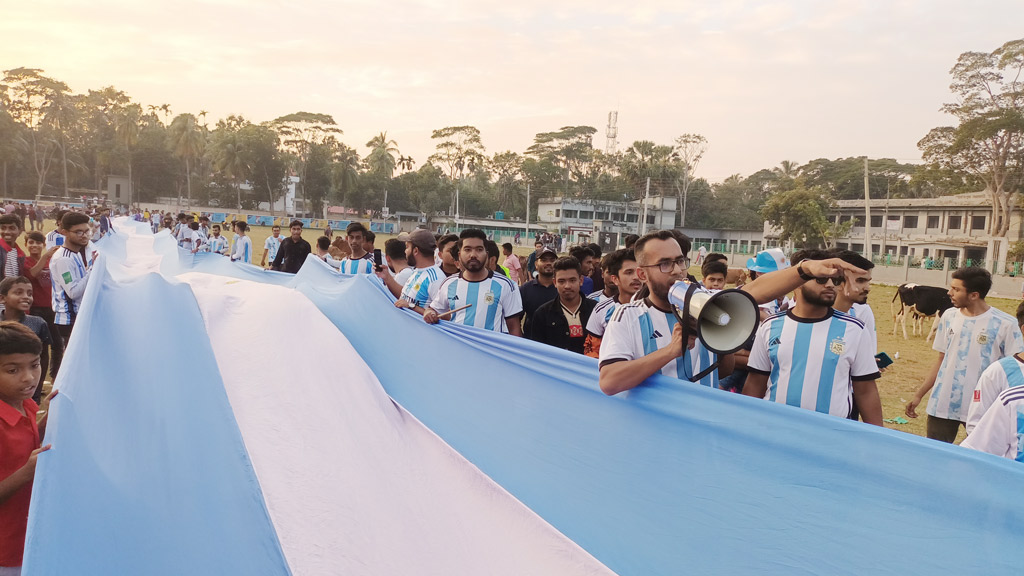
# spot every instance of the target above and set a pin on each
(293, 251)
(541, 289)
(561, 322)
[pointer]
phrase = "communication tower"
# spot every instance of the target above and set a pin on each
(612, 132)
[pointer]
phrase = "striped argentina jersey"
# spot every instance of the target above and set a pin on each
(970, 345)
(421, 287)
(865, 314)
(355, 266)
(1001, 430)
(599, 296)
(812, 363)
(601, 315)
(68, 277)
(494, 299)
(52, 239)
(639, 328)
(272, 245)
(243, 249)
(217, 245)
(1000, 375)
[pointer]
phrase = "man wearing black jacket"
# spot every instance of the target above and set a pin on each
(561, 322)
(293, 251)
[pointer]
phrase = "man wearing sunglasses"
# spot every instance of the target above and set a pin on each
(815, 357)
(644, 337)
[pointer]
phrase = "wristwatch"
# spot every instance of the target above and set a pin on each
(803, 275)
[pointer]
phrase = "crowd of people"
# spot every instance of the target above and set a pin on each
(814, 346)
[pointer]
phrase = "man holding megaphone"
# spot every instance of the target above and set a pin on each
(646, 336)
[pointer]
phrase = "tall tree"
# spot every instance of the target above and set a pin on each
(229, 153)
(801, 215)
(126, 126)
(188, 143)
(30, 95)
(988, 140)
(571, 148)
(457, 147)
(381, 159)
(299, 131)
(266, 164)
(689, 149)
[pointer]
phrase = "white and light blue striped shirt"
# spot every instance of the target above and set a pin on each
(217, 245)
(355, 266)
(272, 245)
(639, 328)
(1001, 430)
(1000, 375)
(494, 299)
(601, 315)
(54, 238)
(812, 363)
(970, 345)
(68, 278)
(421, 287)
(243, 249)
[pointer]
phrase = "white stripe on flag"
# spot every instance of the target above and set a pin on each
(354, 484)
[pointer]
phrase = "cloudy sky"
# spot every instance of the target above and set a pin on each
(763, 81)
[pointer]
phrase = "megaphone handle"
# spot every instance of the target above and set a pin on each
(685, 319)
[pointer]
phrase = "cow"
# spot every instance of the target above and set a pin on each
(921, 302)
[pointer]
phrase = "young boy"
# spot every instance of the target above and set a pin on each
(196, 237)
(16, 294)
(19, 438)
(37, 269)
(243, 245)
(714, 273)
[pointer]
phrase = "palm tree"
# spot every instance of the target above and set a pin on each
(406, 163)
(126, 127)
(229, 157)
(787, 169)
(345, 171)
(382, 155)
(187, 142)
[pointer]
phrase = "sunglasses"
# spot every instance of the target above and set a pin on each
(836, 281)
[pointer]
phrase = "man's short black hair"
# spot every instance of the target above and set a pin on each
(612, 261)
(507, 246)
(714, 267)
(395, 249)
(538, 243)
(16, 338)
(975, 280)
(492, 249)
(73, 219)
(851, 257)
(470, 233)
(446, 239)
(323, 242)
(1020, 313)
(641, 242)
(242, 226)
(685, 244)
(193, 225)
(295, 223)
(204, 218)
(715, 256)
(630, 241)
(595, 249)
(569, 263)
(809, 254)
(580, 253)
(369, 236)
(10, 219)
(354, 227)
(35, 235)
(215, 227)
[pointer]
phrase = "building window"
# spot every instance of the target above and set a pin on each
(954, 223)
(933, 222)
(876, 221)
(570, 213)
(910, 221)
(858, 222)
(618, 216)
(844, 219)
(650, 219)
(632, 217)
(117, 190)
(977, 222)
(601, 216)
(586, 215)
(832, 218)
(558, 212)
(857, 247)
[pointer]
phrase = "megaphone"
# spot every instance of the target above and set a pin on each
(724, 320)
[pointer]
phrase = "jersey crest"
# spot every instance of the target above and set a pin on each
(983, 338)
(837, 346)
(489, 297)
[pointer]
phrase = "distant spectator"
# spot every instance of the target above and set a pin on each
(561, 322)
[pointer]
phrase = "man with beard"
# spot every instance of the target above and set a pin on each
(970, 337)
(541, 289)
(644, 337)
(560, 322)
(421, 286)
(621, 272)
(586, 260)
(494, 299)
(854, 299)
(814, 357)
(291, 255)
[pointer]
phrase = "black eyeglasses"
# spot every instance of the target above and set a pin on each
(836, 280)
(667, 266)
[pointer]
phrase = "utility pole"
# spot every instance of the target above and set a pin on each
(643, 221)
(528, 211)
(867, 213)
(686, 190)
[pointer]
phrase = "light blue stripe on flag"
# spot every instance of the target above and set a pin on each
(829, 365)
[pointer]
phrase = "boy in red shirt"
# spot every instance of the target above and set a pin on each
(19, 437)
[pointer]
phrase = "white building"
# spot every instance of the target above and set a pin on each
(582, 219)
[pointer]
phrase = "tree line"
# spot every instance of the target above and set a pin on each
(54, 142)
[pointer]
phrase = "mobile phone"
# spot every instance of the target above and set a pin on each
(376, 258)
(883, 360)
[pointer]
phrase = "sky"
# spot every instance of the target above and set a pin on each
(762, 81)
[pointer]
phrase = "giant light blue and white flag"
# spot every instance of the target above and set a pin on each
(215, 418)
